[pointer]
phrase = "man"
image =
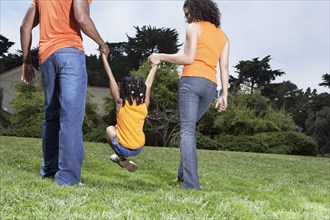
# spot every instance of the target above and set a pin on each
(64, 79)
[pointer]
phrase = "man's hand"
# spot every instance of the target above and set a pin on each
(104, 49)
(27, 73)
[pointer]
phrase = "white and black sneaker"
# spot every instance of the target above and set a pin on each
(124, 162)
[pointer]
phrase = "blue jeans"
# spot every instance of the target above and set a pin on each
(195, 97)
(123, 151)
(64, 80)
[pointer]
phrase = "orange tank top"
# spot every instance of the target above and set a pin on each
(58, 28)
(130, 121)
(210, 44)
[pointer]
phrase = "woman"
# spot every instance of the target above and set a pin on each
(205, 46)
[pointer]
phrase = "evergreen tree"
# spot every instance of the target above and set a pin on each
(256, 73)
(326, 80)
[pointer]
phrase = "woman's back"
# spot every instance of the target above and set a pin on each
(209, 47)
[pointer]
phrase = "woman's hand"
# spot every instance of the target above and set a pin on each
(154, 59)
(221, 104)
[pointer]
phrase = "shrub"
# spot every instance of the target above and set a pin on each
(202, 142)
(243, 143)
(34, 131)
(4, 120)
(249, 114)
(96, 135)
(294, 143)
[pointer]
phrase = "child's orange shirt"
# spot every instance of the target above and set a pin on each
(210, 44)
(58, 28)
(130, 121)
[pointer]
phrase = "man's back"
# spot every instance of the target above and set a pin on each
(58, 27)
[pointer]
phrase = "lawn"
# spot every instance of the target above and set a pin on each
(234, 185)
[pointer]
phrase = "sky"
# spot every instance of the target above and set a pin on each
(295, 33)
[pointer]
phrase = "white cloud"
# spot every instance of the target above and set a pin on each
(294, 33)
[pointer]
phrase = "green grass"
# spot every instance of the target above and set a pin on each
(234, 186)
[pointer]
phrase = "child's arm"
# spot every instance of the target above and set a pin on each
(112, 82)
(149, 81)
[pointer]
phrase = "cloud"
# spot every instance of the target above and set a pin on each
(294, 33)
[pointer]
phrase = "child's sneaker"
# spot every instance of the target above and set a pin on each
(114, 158)
(124, 162)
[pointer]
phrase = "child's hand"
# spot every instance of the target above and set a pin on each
(104, 57)
(153, 65)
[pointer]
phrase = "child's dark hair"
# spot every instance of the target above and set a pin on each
(132, 88)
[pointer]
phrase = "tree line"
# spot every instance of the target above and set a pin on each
(258, 107)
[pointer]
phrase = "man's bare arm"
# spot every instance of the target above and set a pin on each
(86, 24)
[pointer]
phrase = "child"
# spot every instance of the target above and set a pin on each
(127, 137)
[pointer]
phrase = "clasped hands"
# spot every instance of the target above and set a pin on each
(154, 59)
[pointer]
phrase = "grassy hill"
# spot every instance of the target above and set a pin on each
(234, 186)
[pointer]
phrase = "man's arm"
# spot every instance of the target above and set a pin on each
(86, 24)
(31, 19)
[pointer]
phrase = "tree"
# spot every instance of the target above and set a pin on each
(256, 73)
(162, 121)
(10, 60)
(91, 118)
(28, 105)
(110, 108)
(149, 40)
(95, 72)
(326, 80)
(249, 114)
(28, 108)
(119, 60)
(1, 97)
(206, 124)
(5, 44)
(125, 57)
(319, 127)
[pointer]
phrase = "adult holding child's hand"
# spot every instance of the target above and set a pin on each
(64, 79)
(205, 46)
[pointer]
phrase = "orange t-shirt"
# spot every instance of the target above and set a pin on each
(210, 44)
(58, 28)
(130, 121)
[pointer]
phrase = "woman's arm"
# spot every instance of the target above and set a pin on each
(149, 81)
(112, 81)
(221, 104)
(189, 53)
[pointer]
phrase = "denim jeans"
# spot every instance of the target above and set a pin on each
(123, 151)
(64, 80)
(195, 97)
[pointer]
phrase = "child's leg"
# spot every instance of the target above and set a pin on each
(111, 133)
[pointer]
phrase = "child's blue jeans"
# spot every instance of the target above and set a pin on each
(122, 151)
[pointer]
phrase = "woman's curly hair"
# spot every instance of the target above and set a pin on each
(202, 10)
